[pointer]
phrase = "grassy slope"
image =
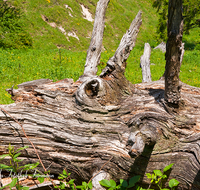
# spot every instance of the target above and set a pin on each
(45, 60)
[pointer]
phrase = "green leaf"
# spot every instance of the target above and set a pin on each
(164, 176)
(105, 183)
(13, 183)
(165, 189)
(3, 156)
(62, 185)
(16, 155)
(71, 181)
(84, 184)
(79, 187)
(124, 183)
(113, 183)
(65, 173)
(22, 148)
(90, 185)
(133, 180)
(46, 172)
(25, 188)
(158, 172)
(3, 166)
(30, 166)
(17, 160)
(148, 175)
(60, 177)
(168, 167)
(110, 188)
(4, 186)
(173, 183)
(40, 179)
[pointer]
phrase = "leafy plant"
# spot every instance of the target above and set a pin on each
(191, 13)
(158, 176)
(66, 181)
(85, 186)
(111, 184)
(14, 167)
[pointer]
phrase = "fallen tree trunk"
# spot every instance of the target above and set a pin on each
(81, 139)
(105, 121)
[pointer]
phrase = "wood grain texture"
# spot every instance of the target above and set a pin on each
(69, 134)
(106, 121)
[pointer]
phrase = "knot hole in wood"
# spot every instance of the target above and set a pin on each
(92, 88)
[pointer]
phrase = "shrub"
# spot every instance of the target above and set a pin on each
(12, 31)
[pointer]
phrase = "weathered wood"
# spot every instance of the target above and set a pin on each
(106, 123)
(182, 52)
(82, 139)
(94, 51)
(145, 63)
(100, 92)
(173, 52)
(127, 43)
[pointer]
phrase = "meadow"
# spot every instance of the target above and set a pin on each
(17, 66)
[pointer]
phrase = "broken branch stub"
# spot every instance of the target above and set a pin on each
(112, 86)
(118, 61)
(145, 63)
(94, 51)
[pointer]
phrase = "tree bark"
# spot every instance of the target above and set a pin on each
(173, 52)
(106, 123)
(140, 134)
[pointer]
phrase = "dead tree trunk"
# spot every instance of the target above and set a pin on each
(82, 125)
(173, 52)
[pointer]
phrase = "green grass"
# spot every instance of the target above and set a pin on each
(20, 66)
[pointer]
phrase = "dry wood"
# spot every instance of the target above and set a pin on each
(118, 61)
(94, 51)
(173, 52)
(82, 139)
(80, 126)
(145, 63)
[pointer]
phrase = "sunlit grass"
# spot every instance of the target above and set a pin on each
(17, 66)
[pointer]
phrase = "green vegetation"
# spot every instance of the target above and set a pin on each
(158, 177)
(14, 168)
(124, 185)
(191, 15)
(12, 30)
(44, 59)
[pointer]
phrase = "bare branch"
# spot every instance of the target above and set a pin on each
(145, 63)
(126, 45)
(94, 51)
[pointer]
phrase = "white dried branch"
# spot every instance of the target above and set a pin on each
(145, 63)
(94, 51)
(126, 45)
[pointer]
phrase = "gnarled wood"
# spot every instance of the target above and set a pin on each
(106, 123)
(69, 134)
